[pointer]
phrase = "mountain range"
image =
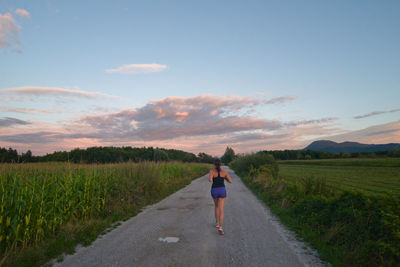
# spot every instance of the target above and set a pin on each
(349, 147)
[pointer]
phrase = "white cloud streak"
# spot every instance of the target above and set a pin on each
(55, 91)
(138, 68)
(27, 110)
(374, 113)
(305, 122)
(282, 99)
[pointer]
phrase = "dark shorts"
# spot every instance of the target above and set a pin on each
(218, 192)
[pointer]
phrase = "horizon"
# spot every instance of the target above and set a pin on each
(39, 155)
(198, 77)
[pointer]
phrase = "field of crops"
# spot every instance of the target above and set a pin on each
(38, 199)
(371, 176)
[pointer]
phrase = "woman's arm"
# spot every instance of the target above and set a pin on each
(228, 178)
(210, 177)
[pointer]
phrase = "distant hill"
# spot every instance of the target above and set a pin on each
(349, 147)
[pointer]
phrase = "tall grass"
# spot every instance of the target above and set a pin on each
(37, 200)
(349, 228)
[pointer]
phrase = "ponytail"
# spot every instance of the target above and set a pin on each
(217, 164)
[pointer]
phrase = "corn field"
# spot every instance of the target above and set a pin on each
(36, 199)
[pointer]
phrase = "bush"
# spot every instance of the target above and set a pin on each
(244, 164)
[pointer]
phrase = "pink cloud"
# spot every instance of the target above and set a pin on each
(205, 123)
(173, 117)
(22, 13)
(9, 30)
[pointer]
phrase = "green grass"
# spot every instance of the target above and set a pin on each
(48, 208)
(347, 209)
(371, 162)
(370, 176)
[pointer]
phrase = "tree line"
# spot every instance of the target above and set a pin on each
(107, 155)
(136, 154)
(311, 154)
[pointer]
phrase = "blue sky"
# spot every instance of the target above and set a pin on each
(323, 63)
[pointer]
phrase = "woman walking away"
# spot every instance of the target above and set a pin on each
(218, 192)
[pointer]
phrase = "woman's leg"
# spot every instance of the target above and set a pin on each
(221, 204)
(216, 209)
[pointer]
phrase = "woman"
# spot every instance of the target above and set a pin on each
(218, 192)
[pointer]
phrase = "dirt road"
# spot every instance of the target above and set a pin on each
(253, 237)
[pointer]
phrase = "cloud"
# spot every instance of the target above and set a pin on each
(138, 68)
(282, 99)
(382, 132)
(200, 116)
(212, 144)
(201, 123)
(41, 137)
(9, 30)
(296, 137)
(378, 134)
(55, 91)
(22, 13)
(27, 110)
(6, 122)
(374, 113)
(246, 137)
(304, 122)
(103, 109)
(174, 117)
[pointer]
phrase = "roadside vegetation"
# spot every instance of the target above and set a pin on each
(349, 210)
(48, 208)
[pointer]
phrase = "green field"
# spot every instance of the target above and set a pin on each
(347, 209)
(371, 176)
(48, 208)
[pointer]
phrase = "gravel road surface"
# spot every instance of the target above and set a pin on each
(253, 237)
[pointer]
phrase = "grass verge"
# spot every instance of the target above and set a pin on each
(348, 228)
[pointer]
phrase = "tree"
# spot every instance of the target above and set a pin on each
(205, 158)
(228, 156)
(27, 157)
(160, 155)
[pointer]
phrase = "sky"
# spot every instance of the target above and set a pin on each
(198, 75)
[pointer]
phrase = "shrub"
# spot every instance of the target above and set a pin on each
(244, 164)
